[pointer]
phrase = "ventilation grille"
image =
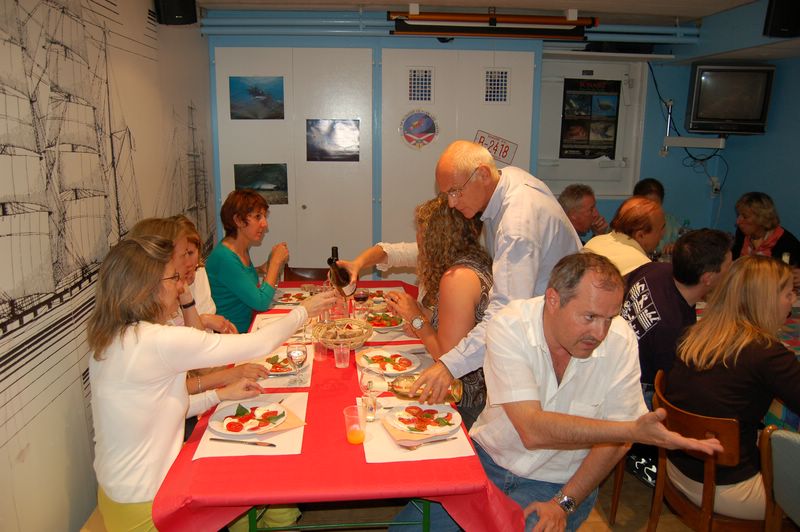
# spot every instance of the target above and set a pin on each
(496, 90)
(420, 85)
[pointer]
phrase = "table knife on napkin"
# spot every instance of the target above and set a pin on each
(258, 443)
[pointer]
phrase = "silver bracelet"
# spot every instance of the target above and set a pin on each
(198, 383)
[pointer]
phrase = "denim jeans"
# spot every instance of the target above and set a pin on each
(522, 490)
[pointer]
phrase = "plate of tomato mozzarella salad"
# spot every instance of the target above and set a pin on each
(430, 420)
(248, 417)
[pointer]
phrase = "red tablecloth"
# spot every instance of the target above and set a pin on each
(208, 493)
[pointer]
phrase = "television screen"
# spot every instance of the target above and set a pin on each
(729, 98)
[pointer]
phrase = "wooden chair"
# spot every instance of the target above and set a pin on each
(726, 430)
(304, 274)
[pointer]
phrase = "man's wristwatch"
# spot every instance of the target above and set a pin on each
(567, 503)
(417, 322)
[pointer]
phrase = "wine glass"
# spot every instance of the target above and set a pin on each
(370, 385)
(296, 354)
(361, 295)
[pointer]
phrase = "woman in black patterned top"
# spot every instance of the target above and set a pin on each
(455, 272)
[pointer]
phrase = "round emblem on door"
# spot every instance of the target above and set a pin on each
(419, 128)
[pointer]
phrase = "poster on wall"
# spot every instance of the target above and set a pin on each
(256, 98)
(332, 140)
(268, 179)
(418, 129)
(589, 119)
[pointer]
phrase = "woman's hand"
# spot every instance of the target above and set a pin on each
(352, 268)
(279, 254)
(253, 372)
(403, 305)
(242, 388)
(218, 323)
(315, 304)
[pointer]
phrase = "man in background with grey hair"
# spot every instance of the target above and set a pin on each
(579, 202)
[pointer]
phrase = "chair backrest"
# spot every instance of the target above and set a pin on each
(785, 478)
(726, 430)
(304, 274)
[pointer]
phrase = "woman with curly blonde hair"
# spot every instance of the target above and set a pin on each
(731, 364)
(455, 272)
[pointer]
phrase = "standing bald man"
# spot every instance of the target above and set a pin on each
(527, 233)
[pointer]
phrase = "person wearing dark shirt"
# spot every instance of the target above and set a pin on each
(731, 364)
(660, 298)
(759, 232)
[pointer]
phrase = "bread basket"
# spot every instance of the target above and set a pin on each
(348, 331)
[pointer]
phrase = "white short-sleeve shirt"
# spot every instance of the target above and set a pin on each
(518, 367)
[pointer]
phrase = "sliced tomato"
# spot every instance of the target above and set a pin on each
(429, 413)
(407, 421)
(448, 416)
(414, 410)
(269, 413)
(396, 355)
(234, 426)
(421, 425)
(403, 361)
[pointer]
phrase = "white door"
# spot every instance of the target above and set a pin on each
(329, 202)
(461, 92)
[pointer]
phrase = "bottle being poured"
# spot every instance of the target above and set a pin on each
(340, 278)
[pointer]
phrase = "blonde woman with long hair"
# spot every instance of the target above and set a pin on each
(731, 364)
(138, 373)
(455, 273)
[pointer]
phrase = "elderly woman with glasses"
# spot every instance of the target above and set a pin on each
(238, 287)
(138, 373)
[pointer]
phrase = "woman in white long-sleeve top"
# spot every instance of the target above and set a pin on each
(138, 373)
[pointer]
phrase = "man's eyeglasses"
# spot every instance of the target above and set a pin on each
(176, 277)
(455, 193)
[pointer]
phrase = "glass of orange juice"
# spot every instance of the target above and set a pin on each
(355, 420)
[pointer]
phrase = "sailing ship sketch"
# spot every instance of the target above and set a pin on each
(68, 189)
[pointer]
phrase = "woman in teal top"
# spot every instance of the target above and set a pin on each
(237, 287)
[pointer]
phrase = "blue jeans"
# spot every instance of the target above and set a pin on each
(522, 490)
(648, 391)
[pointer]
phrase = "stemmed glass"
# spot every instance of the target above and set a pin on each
(296, 354)
(369, 383)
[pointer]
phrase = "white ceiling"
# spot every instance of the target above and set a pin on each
(646, 12)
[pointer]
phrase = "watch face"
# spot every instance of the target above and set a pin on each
(417, 323)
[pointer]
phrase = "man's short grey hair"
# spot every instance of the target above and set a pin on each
(571, 196)
(569, 271)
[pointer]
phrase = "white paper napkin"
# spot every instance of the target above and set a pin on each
(289, 442)
(425, 360)
(379, 447)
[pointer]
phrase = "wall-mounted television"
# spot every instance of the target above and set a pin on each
(729, 98)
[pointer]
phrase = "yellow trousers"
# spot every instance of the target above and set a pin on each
(125, 517)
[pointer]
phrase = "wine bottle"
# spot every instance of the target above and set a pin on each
(340, 278)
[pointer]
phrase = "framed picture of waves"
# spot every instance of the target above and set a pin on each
(256, 98)
(270, 180)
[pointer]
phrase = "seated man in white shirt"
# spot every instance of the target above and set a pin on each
(636, 230)
(562, 373)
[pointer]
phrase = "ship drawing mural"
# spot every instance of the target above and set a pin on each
(68, 191)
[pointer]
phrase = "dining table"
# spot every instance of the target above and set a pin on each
(207, 487)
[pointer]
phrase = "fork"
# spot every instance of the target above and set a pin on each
(417, 446)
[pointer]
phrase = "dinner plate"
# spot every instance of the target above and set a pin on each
(380, 328)
(363, 361)
(287, 298)
(216, 422)
(281, 362)
(397, 414)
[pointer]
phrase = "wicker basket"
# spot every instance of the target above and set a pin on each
(328, 334)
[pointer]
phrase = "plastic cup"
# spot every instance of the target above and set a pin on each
(355, 424)
(370, 403)
(360, 311)
(341, 355)
(320, 351)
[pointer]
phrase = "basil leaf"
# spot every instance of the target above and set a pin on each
(273, 419)
(273, 359)
(241, 410)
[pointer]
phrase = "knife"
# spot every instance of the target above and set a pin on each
(258, 443)
(412, 447)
